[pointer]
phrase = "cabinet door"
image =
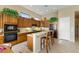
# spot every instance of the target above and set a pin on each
(1, 39)
(38, 23)
(1, 22)
(42, 24)
(12, 20)
(30, 42)
(9, 19)
(13, 42)
(28, 22)
(22, 37)
(47, 24)
(20, 22)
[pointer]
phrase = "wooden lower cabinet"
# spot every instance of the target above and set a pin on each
(13, 42)
(30, 43)
(1, 39)
(22, 37)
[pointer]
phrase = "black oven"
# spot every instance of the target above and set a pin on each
(10, 27)
(10, 32)
(8, 37)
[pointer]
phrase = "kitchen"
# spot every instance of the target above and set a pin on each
(15, 30)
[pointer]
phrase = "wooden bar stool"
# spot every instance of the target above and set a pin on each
(52, 36)
(45, 42)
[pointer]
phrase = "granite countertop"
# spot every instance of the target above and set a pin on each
(2, 34)
(29, 32)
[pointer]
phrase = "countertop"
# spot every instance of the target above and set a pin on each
(24, 32)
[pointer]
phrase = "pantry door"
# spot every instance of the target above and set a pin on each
(64, 28)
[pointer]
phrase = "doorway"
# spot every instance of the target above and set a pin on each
(76, 25)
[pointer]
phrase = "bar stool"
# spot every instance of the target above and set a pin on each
(45, 42)
(52, 36)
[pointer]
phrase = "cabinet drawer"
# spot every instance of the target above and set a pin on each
(30, 42)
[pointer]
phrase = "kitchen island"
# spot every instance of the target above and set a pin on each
(33, 41)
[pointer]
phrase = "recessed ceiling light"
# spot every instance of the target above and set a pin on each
(47, 10)
(31, 5)
(45, 5)
(37, 9)
(54, 8)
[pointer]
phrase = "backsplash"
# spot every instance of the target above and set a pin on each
(44, 28)
(24, 29)
(30, 29)
(1, 30)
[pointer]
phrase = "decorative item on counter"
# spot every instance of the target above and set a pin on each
(53, 19)
(10, 12)
(2, 48)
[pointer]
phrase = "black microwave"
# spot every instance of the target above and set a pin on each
(10, 27)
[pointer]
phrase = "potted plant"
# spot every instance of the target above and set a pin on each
(10, 12)
(53, 19)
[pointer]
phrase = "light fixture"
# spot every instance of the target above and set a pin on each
(37, 19)
(47, 10)
(37, 9)
(54, 8)
(45, 5)
(31, 5)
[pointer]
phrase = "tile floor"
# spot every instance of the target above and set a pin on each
(59, 46)
(21, 48)
(63, 46)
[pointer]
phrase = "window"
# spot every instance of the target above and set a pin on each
(25, 15)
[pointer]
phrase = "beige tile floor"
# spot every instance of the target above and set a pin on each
(59, 46)
(21, 48)
(63, 46)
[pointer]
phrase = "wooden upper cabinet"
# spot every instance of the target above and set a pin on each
(24, 22)
(1, 21)
(9, 19)
(27, 22)
(33, 21)
(45, 23)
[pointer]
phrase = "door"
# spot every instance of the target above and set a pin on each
(64, 28)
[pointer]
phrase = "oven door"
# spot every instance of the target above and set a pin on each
(8, 37)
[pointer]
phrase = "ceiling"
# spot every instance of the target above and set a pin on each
(44, 9)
